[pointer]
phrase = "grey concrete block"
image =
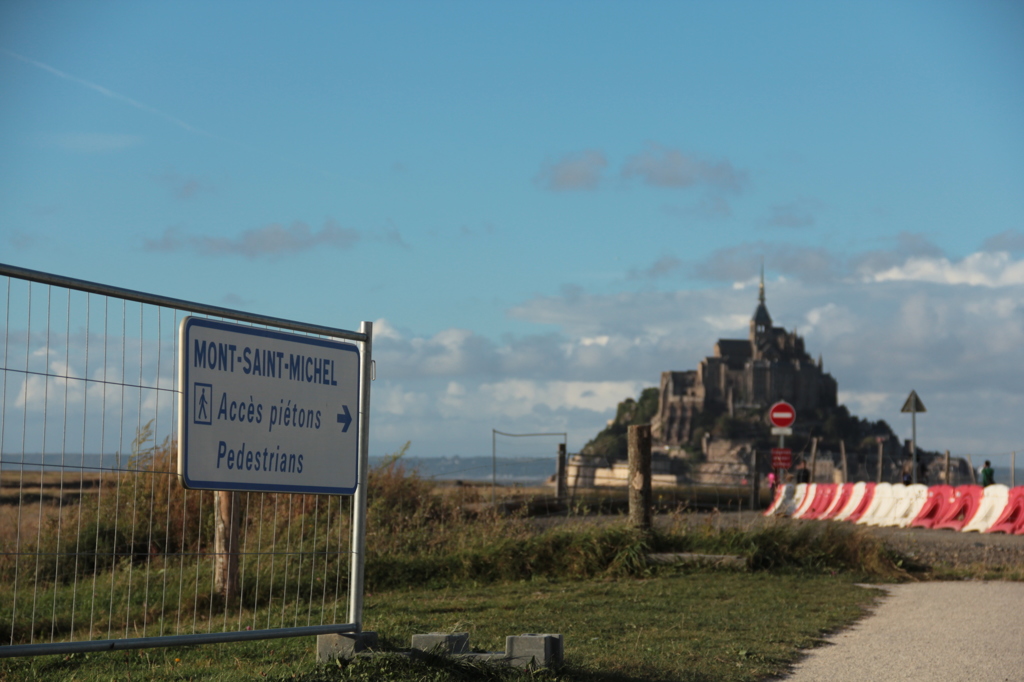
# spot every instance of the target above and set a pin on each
(718, 560)
(534, 650)
(443, 642)
(346, 646)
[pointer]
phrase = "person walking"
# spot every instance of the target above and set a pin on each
(988, 475)
(803, 474)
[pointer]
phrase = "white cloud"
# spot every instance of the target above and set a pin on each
(595, 340)
(868, 402)
(517, 397)
(382, 329)
(732, 322)
(987, 269)
(830, 321)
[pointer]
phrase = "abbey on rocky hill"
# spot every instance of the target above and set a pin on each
(743, 374)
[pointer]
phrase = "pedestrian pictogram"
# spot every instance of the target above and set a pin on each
(204, 393)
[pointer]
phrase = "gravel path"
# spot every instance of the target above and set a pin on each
(954, 631)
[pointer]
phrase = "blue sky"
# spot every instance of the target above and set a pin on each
(544, 205)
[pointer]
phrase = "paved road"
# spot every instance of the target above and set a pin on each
(952, 631)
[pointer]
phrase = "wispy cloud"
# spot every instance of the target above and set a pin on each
(578, 171)
(271, 240)
(183, 186)
(234, 301)
(742, 263)
(21, 240)
(107, 92)
(1010, 240)
(659, 268)
(907, 245)
(794, 214)
(661, 166)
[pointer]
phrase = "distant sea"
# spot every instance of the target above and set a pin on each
(524, 471)
(510, 471)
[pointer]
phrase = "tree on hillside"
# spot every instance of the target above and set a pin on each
(611, 442)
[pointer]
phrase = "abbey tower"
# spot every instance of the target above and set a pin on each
(743, 374)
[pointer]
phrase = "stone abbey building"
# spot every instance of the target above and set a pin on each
(743, 374)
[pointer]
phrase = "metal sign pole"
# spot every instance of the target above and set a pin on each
(779, 475)
(913, 405)
(913, 443)
(358, 549)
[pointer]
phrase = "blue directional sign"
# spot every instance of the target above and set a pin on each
(266, 411)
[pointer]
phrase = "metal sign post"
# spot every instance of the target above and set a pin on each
(782, 415)
(913, 405)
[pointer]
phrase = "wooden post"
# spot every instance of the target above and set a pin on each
(639, 444)
(814, 456)
(560, 484)
(842, 455)
(881, 459)
(974, 479)
(948, 481)
(227, 522)
(755, 489)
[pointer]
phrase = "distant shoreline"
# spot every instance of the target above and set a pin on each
(510, 470)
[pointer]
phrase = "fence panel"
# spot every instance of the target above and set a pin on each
(100, 545)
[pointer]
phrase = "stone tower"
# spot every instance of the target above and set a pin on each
(743, 374)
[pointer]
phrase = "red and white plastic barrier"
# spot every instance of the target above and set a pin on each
(961, 507)
(967, 508)
(1011, 519)
(857, 494)
(994, 499)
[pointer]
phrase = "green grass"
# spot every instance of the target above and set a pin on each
(433, 566)
(676, 626)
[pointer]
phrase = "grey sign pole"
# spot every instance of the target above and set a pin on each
(358, 563)
(913, 405)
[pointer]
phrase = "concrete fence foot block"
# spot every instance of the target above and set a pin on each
(534, 650)
(442, 642)
(346, 646)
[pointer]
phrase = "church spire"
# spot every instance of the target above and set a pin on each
(761, 323)
(760, 293)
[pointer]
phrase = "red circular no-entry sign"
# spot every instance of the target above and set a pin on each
(782, 414)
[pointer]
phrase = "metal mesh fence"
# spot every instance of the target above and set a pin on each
(98, 538)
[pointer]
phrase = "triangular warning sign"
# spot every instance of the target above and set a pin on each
(913, 404)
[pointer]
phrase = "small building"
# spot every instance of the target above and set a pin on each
(743, 374)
